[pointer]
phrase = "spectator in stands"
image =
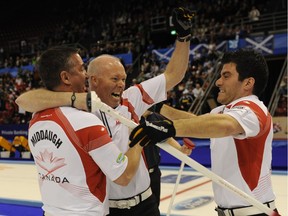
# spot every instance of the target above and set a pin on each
(254, 14)
(172, 99)
(185, 100)
(197, 91)
(281, 109)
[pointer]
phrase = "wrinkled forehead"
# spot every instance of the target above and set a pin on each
(106, 66)
(116, 70)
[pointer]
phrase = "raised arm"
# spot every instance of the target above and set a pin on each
(40, 99)
(177, 66)
(178, 63)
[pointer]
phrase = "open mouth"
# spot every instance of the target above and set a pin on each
(115, 95)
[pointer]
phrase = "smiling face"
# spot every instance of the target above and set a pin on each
(107, 78)
(230, 88)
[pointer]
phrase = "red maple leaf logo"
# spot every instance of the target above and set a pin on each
(49, 163)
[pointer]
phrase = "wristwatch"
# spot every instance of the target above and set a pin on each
(184, 39)
(73, 98)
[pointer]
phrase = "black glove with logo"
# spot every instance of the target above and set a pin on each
(151, 132)
(182, 20)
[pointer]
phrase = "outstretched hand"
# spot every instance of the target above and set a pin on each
(182, 20)
(150, 132)
(188, 146)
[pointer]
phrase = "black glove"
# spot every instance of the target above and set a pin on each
(156, 117)
(156, 107)
(181, 19)
(152, 132)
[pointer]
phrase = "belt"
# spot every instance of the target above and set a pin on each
(243, 211)
(130, 202)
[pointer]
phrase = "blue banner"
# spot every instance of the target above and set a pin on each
(268, 45)
(126, 57)
(280, 44)
(10, 131)
(165, 54)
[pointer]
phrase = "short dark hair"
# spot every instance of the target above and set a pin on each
(249, 63)
(52, 62)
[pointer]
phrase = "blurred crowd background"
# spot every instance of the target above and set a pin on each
(126, 26)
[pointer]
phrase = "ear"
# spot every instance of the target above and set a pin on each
(249, 83)
(93, 80)
(65, 77)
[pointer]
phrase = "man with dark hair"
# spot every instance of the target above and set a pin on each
(240, 130)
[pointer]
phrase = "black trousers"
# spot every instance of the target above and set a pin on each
(155, 185)
(147, 207)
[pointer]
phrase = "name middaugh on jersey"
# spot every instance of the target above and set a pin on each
(46, 135)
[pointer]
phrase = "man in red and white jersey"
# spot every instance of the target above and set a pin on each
(72, 149)
(241, 133)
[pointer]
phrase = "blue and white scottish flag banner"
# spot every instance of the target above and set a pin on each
(166, 53)
(267, 44)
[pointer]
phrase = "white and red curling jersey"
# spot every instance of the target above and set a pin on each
(135, 101)
(73, 154)
(244, 160)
